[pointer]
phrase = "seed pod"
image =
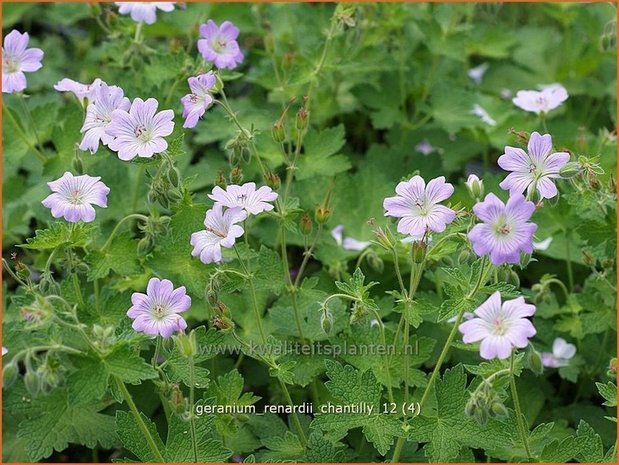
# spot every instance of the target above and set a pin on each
(178, 401)
(278, 132)
(525, 259)
(302, 119)
(587, 258)
(186, 344)
(384, 238)
(9, 374)
(236, 175)
(273, 180)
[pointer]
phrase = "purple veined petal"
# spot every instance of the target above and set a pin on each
(562, 349)
(481, 239)
(229, 30)
(519, 333)
(415, 226)
(209, 29)
(413, 189)
(492, 307)
(517, 308)
(516, 182)
(556, 161)
(474, 330)
(514, 159)
(31, 60)
(440, 217)
(519, 208)
(15, 43)
(397, 207)
(489, 208)
(539, 146)
(438, 190)
(546, 188)
(13, 82)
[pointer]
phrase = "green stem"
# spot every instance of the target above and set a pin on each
(295, 418)
(292, 287)
(78, 290)
(396, 265)
(21, 98)
(138, 419)
(568, 262)
(97, 295)
(252, 288)
(136, 188)
(322, 59)
(192, 385)
(519, 416)
(117, 227)
(307, 256)
(158, 346)
(137, 38)
(383, 341)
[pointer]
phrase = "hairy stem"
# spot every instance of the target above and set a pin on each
(250, 279)
(519, 417)
(192, 385)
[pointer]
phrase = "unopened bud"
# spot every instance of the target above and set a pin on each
(223, 323)
(481, 415)
(220, 180)
(464, 256)
(384, 238)
(612, 368)
(533, 361)
(222, 308)
(419, 251)
(326, 321)
(278, 132)
(236, 175)
(587, 258)
(32, 383)
(22, 270)
(186, 344)
(272, 180)
(470, 407)
(306, 225)
(475, 186)
(322, 215)
(78, 164)
(178, 401)
(499, 410)
(570, 169)
(145, 245)
(525, 259)
(302, 119)
(219, 84)
(9, 374)
(173, 176)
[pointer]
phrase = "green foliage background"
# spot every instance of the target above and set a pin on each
(395, 75)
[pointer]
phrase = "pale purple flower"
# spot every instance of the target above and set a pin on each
(140, 132)
(562, 353)
(506, 93)
(418, 206)
(424, 147)
(348, 243)
(499, 327)
(196, 103)
(534, 170)
(105, 99)
(17, 59)
(218, 44)
(220, 231)
(483, 115)
(543, 245)
(144, 11)
(246, 197)
(157, 311)
(73, 197)
(4, 351)
(549, 98)
(477, 74)
(82, 91)
(505, 231)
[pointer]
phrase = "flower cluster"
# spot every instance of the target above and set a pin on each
(232, 206)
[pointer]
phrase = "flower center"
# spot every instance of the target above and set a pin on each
(423, 209)
(502, 227)
(10, 64)
(219, 44)
(159, 311)
(76, 197)
(500, 326)
(142, 133)
(541, 101)
(241, 198)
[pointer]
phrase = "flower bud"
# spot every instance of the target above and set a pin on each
(481, 415)
(419, 251)
(475, 186)
(145, 245)
(302, 119)
(222, 323)
(464, 256)
(278, 132)
(525, 259)
(219, 84)
(236, 175)
(32, 383)
(22, 270)
(322, 215)
(375, 262)
(384, 238)
(499, 410)
(273, 180)
(587, 258)
(9, 374)
(306, 225)
(178, 401)
(186, 344)
(78, 164)
(533, 361)
(220, 180)
(569, 170)
(326, 321)
(173, 176)
(447, 261)
(222, 309)
(612, 368)
(470, 407)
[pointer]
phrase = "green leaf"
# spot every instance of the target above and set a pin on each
(121, 257)
(320, 156)
(133, 439)
(609, 392)
(51, 424)
(179, 445)
(60, 233)
(128, 366)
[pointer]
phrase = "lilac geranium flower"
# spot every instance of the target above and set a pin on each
(157, 311)
(82, 91)
(73, 196)
(505, 231)
(348, 243)
(140, 131)
(534, 170)
(499, 327)
(196, 103)
(549, 98)
(425, 147)
(105, 99)
(246, 197)
(218, 44)
(144, 11)
(562, 353)
(17, 59)
(220, 231)
(418, 206)
(483, 115)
